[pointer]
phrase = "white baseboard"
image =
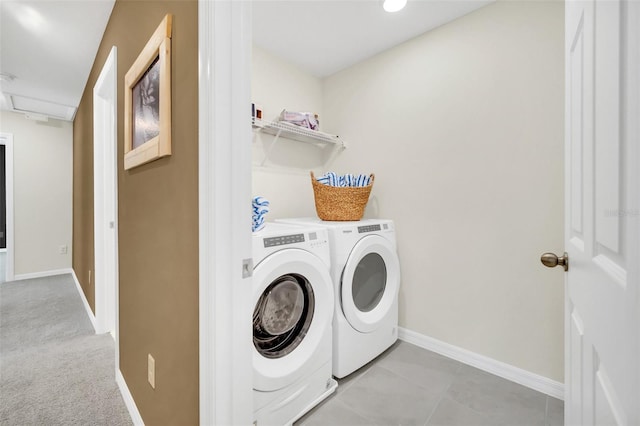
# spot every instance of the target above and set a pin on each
(490, 365)
(42, 274)
(87, 308)
(136, 418)
(128, 400)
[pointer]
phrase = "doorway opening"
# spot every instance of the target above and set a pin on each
(6, 207)
(105, 197)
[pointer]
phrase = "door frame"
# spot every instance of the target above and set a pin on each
(6, 139)
(105, 167)
(224, 185)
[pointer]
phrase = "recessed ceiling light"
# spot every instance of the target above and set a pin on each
(394, 5)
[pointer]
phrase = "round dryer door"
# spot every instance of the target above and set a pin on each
(293, 307)
(370, 283)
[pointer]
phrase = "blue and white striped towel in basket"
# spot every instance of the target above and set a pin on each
(347, 180)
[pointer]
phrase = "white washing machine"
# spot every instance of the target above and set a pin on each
(366, 274)
(292, 322)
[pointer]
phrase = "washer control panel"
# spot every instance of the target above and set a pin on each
(283, 240)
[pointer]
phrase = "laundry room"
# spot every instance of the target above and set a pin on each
(462, 127)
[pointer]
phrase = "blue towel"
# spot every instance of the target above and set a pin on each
(348, 180)
(260, 207)
(258, 224)
(260, 210)
(260, 201)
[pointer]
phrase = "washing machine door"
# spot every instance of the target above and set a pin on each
(370, 283)
(293, 307)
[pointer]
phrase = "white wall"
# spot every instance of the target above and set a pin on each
(42, 192)
(463, 127)
(284, 177)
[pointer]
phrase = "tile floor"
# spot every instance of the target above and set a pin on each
(408, 385)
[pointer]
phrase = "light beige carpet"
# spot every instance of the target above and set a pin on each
(53, 369)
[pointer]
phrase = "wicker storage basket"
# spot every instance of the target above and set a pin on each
(340, 203)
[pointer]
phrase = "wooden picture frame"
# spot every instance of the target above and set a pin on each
(147, 101)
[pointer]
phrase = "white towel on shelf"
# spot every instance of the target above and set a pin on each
(302, 119)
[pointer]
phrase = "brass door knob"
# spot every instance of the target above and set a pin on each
(550, 260)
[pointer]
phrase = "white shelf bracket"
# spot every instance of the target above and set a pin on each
(271, 146)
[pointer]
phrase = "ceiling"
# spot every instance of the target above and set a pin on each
(326, 36)
(47, 47)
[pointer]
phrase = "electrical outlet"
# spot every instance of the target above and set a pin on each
(151, 371)
(63, 249)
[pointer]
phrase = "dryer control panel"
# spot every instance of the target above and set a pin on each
(368, 228)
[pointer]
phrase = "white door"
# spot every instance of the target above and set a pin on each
(602, 327)
(105, 168)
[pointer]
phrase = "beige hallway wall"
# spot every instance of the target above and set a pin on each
(158, 220)
(43, 170)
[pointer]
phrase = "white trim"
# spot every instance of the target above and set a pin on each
(631, 74)
(224, 181)
(6, 139)
(85, 302)
(136, 418)
(490, 365)
(129, 402)
(42, 274)
(105, 168)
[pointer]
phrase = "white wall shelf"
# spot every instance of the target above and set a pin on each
(297, 133)
(291, 131)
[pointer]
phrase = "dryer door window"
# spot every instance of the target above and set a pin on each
(282, 315)
(370, 283)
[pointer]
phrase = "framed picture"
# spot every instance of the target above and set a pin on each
(147, 101)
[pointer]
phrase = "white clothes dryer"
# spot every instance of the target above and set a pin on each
(293, 308)
(365, 270)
